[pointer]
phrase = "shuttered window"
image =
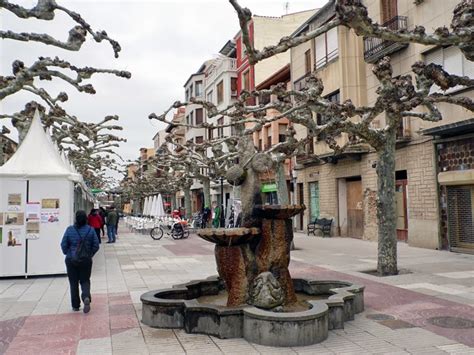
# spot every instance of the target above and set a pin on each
(453, 61)
(199, 116)
(327, 47)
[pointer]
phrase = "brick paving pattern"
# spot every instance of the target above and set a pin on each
(401, 317)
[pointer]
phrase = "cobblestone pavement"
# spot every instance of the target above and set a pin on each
(403, 313)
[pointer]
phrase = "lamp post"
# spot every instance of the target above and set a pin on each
(222, 218)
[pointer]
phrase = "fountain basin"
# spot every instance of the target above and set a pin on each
(179, 307)
(229, 236)
(277, 211)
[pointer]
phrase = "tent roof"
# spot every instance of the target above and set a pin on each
(37, 156)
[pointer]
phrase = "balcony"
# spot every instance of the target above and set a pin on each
(376, 48)
(219, 66)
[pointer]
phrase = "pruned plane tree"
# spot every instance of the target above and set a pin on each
(90, 146)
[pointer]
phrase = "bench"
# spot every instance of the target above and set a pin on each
(323, 224)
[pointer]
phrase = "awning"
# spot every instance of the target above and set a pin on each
(269, 187)
(457, 177)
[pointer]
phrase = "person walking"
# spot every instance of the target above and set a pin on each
(103, 214)
(95, 221)
(79, 244)
(112, 221)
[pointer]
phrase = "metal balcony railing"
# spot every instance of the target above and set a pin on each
(376, 48)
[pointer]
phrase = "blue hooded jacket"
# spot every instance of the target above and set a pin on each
(71, 240)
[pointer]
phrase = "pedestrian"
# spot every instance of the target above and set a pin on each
(95, 221)
(103, 214)
(112, 221)
(79, 238)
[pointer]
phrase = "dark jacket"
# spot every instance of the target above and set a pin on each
(71, 240)
(112, 218)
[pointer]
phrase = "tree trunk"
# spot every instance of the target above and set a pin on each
(206, 187)
(282, 187)
(386, 208)
(250, 194)
(187, 202)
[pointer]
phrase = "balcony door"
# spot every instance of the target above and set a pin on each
(388, 10)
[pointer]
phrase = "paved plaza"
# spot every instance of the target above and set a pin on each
(426, 310)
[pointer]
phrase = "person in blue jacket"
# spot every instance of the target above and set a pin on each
(79, 272)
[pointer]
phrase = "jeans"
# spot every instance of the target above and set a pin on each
(79, 275)
(111, 232)
(97, 231)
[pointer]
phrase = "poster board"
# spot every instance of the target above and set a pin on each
(12, 245)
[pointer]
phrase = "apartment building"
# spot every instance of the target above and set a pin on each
(145, 168)
(264, 31)
(331, 186)
(221, 90)
(195, 115)
(344, 186)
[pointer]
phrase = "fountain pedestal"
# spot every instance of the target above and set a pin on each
(233, 257)
(273, 251)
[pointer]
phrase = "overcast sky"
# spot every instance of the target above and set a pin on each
(163, 42)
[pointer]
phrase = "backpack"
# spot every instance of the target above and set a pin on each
(83, 254)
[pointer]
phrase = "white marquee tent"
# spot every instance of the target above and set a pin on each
(39, 194)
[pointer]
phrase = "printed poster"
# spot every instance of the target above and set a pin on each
(51, 216)
(14, 202)
(33, 210)
(14, 218)
(1, 218)
(1, 235)
(14, 238)
(32, 229)
(50, 203)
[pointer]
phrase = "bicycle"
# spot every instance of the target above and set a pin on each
(177, 230)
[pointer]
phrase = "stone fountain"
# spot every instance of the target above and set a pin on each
(254, 295)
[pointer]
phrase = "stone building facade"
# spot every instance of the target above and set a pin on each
(344, 187)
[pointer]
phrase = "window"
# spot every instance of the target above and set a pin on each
(198, 88)
(307, 61)
(191, 91)
(220, 92)
(210, 96)
(199, 116)
(191, 118)
(264, 99)
(323, 119)
(233, 87)
(220, 130)
(326, 47)
(210, 134)
(453, 61)
(199, 140)
(282, 131)
(246, 80)
(269, 137)
(187, 95)
(187, 120)
(388, 10)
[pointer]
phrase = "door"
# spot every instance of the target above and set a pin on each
(461, 218)
(355, 213)
(402, 215)
(313, 201)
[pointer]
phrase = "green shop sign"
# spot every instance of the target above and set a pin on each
(269, 187)
(96, 191)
